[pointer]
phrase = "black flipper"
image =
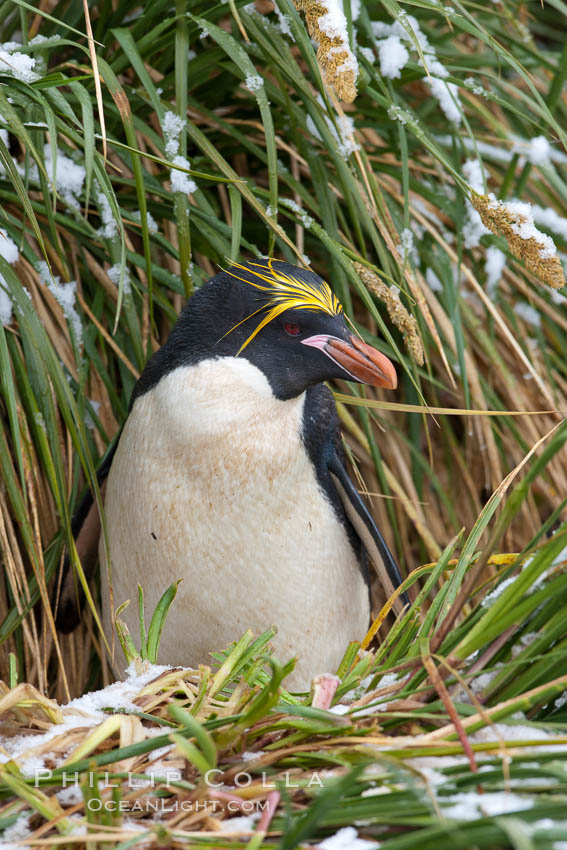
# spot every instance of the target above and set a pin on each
(367, 530)
(69, 597)
(322, 438)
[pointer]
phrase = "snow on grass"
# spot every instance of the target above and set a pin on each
(537, 150)
(8, 248)
(558, 297)
(393, 56)
(392, 61)
(501, 153)
(473, 171)
(150, 220)
(284, 22)
(433, 281)
(181, 182)
(9, 252)
(524, 641)
(346, 142)
(494, 266)
(490, 598)
(342, 133)
(114, 273)
(396, 113)
(514, 732)
(447, 94)
(291, 204)
(348, 700)
(119, 695)
(481, 683)
(109, 229)
(528, 313)
(470, 805)
(355, 9)
(347, 839)
(172, 127)
(20, 65)
(406, 248)
(89, 421)
(69, 175)
(474, 86)
(64, 294)
(473, 228)
(252, 756)
(550, 219)
(253, 82)
(240, 824)
(5, 304)
(13, 835)
(84, 711)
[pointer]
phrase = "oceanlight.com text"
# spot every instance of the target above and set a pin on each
(161, 805)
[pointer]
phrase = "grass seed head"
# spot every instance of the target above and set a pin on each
(398, 314)
(333, 53)
(515, 223)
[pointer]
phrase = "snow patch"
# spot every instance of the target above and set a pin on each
(494, 266)
(69, 175)
(446, 94)
(284, 22)
(407, 248)
(181, 182)
(504, 154)
(241, 824)
(19, 830)
(433, 281)
(64, 294)
(347, 839)
(343, 133)
(150, 220)
(172, 127)
(114, 273)
(469, 805)
(473, 228)
(393, 56)
(550, 219)
(8, 248)
(253, 82)
(109, 229)
(396, 113)
(528, 313)
(20, 65)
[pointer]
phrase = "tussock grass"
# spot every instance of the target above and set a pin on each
(278, 167)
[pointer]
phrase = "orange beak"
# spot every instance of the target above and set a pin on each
(359, 360)
(362, 361)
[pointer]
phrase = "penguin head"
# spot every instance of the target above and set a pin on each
(284, 320)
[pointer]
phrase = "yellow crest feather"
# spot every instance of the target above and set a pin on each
(285, 292)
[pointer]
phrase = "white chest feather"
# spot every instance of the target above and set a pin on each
(211, 484)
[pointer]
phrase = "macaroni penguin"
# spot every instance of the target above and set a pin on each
(229, 474)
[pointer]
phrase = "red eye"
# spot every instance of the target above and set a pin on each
(292, 329)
